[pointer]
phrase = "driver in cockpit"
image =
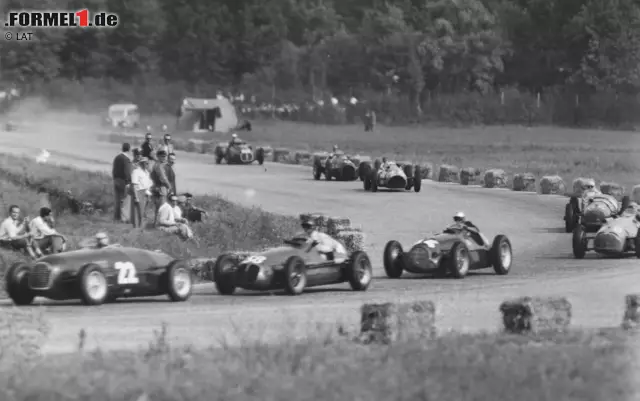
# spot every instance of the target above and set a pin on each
(332, 249)
(461, 220)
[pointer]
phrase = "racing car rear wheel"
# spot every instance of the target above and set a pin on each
(569, 218)
(179, 281)
(501, 255)
(458, 260)
(17, 284)
(260, 156)
(224, 274)
(359, 271)
(317, 173)
(626, 201)
(295, 279)
(374, 181)
(93, 285)
(579, 242)
(393, 259)
(417, 179)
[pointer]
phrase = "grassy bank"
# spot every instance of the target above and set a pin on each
(580, 365)
(228, 227)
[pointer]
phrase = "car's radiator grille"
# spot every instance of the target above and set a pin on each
(419, 256)
(39, 276)
(397, 182)
(248, 273)
(246, 157)
(608, 242)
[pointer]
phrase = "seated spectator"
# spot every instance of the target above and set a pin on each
(14, 233)
(189, 211)
(172, 222)
(45, 237)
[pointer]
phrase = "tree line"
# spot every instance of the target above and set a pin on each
(415, 55)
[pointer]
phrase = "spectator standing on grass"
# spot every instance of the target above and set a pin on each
(171, 222)
(14, 233)
(45, 236)
(166, 144)
(141, 185)
(161, 185)
(171, 172)
(147, 147)
(369, 120)
(121, 173)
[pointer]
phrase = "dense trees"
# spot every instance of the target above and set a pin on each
(409, 51)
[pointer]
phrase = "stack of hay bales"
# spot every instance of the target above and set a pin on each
(300, 157)
(552, 185)
(209, 148)
(389, 323)
(268, 151)
(534, 315)
(525, 182)
(426, 170)
(469, 176)
(579, 183)
(340, 228)
(281, 155)
(495, 178)
(448, 173)
(195, 145)
(612, 188)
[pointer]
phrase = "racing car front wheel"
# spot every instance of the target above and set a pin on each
(579, 242)
(17, 284)
(295, 279)
(224, 274)
(179, 281)
(93, 285)
(393, 259)
(458, 261)
(501, 255)
(359, 271)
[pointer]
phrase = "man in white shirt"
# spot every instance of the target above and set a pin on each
(14, 233)
(171, 222)
(330, 248)
(141, 184)
(45, 237)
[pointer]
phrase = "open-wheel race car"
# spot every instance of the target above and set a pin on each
(453, 252)
(96, 276)
(616, 237)
(291, 267)
(392, 175)
(591, 210)
(339, 166)
(238, 153)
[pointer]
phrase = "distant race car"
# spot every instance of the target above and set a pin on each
(617, 237)
(455, 251)
(96, 276)
(402, 176)
(340, 167)
(591, 210)
(240, 153)
(292, 267)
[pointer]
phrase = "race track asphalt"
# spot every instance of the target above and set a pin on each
(543, 264)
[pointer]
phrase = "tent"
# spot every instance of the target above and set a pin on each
(217, 115)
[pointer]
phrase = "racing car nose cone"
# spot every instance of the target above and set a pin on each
(608, 242)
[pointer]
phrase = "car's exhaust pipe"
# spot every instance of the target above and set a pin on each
(397, 182)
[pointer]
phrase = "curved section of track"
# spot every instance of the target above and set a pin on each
(543, 264)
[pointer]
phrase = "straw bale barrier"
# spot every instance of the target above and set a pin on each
(389, 322)
(495, 178)
(448, 173)
(579, 183)
(552, 185)
(612, 188)
(526, 314)
(281, 154)
(631, 318)
(469, 176)
(426, 170)
(525, 182)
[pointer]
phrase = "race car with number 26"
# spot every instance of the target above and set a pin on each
(96, 276)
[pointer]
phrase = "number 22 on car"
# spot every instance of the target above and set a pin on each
(126, 273)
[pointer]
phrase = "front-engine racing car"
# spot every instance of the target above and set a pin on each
(616, 237)
(392, 175)
(455, 251)
(338, 166)
(293, 267)
(101, 275)
(592, 209)
(238, 153)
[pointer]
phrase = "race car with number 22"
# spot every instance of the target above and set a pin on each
(96, 276)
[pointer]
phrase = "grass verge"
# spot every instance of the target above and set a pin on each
(579, 365)
(571, 153)
(228, 227)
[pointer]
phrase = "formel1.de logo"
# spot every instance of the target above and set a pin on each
(60, 19)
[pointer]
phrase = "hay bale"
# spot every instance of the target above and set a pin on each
(268, 150)
(525, 182)
(426, 170)
(319, 218)
(23, 334)
(280, 154)
(612, 188)
(631, 318)
(337, 224)
(527, 314)
(195, 145)
(300, 157)
(495, 178)
(579, 183)
(353, 240)
(552, 185)
(388, 323)
(448, 173)
(469, 175)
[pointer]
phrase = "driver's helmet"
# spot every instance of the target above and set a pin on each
(148, 128)
(589, 185)
(459, 217)
(164, 128)
(102, 239)
(384, 160)
(335, 148)
(307, 224)
(234, 136)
